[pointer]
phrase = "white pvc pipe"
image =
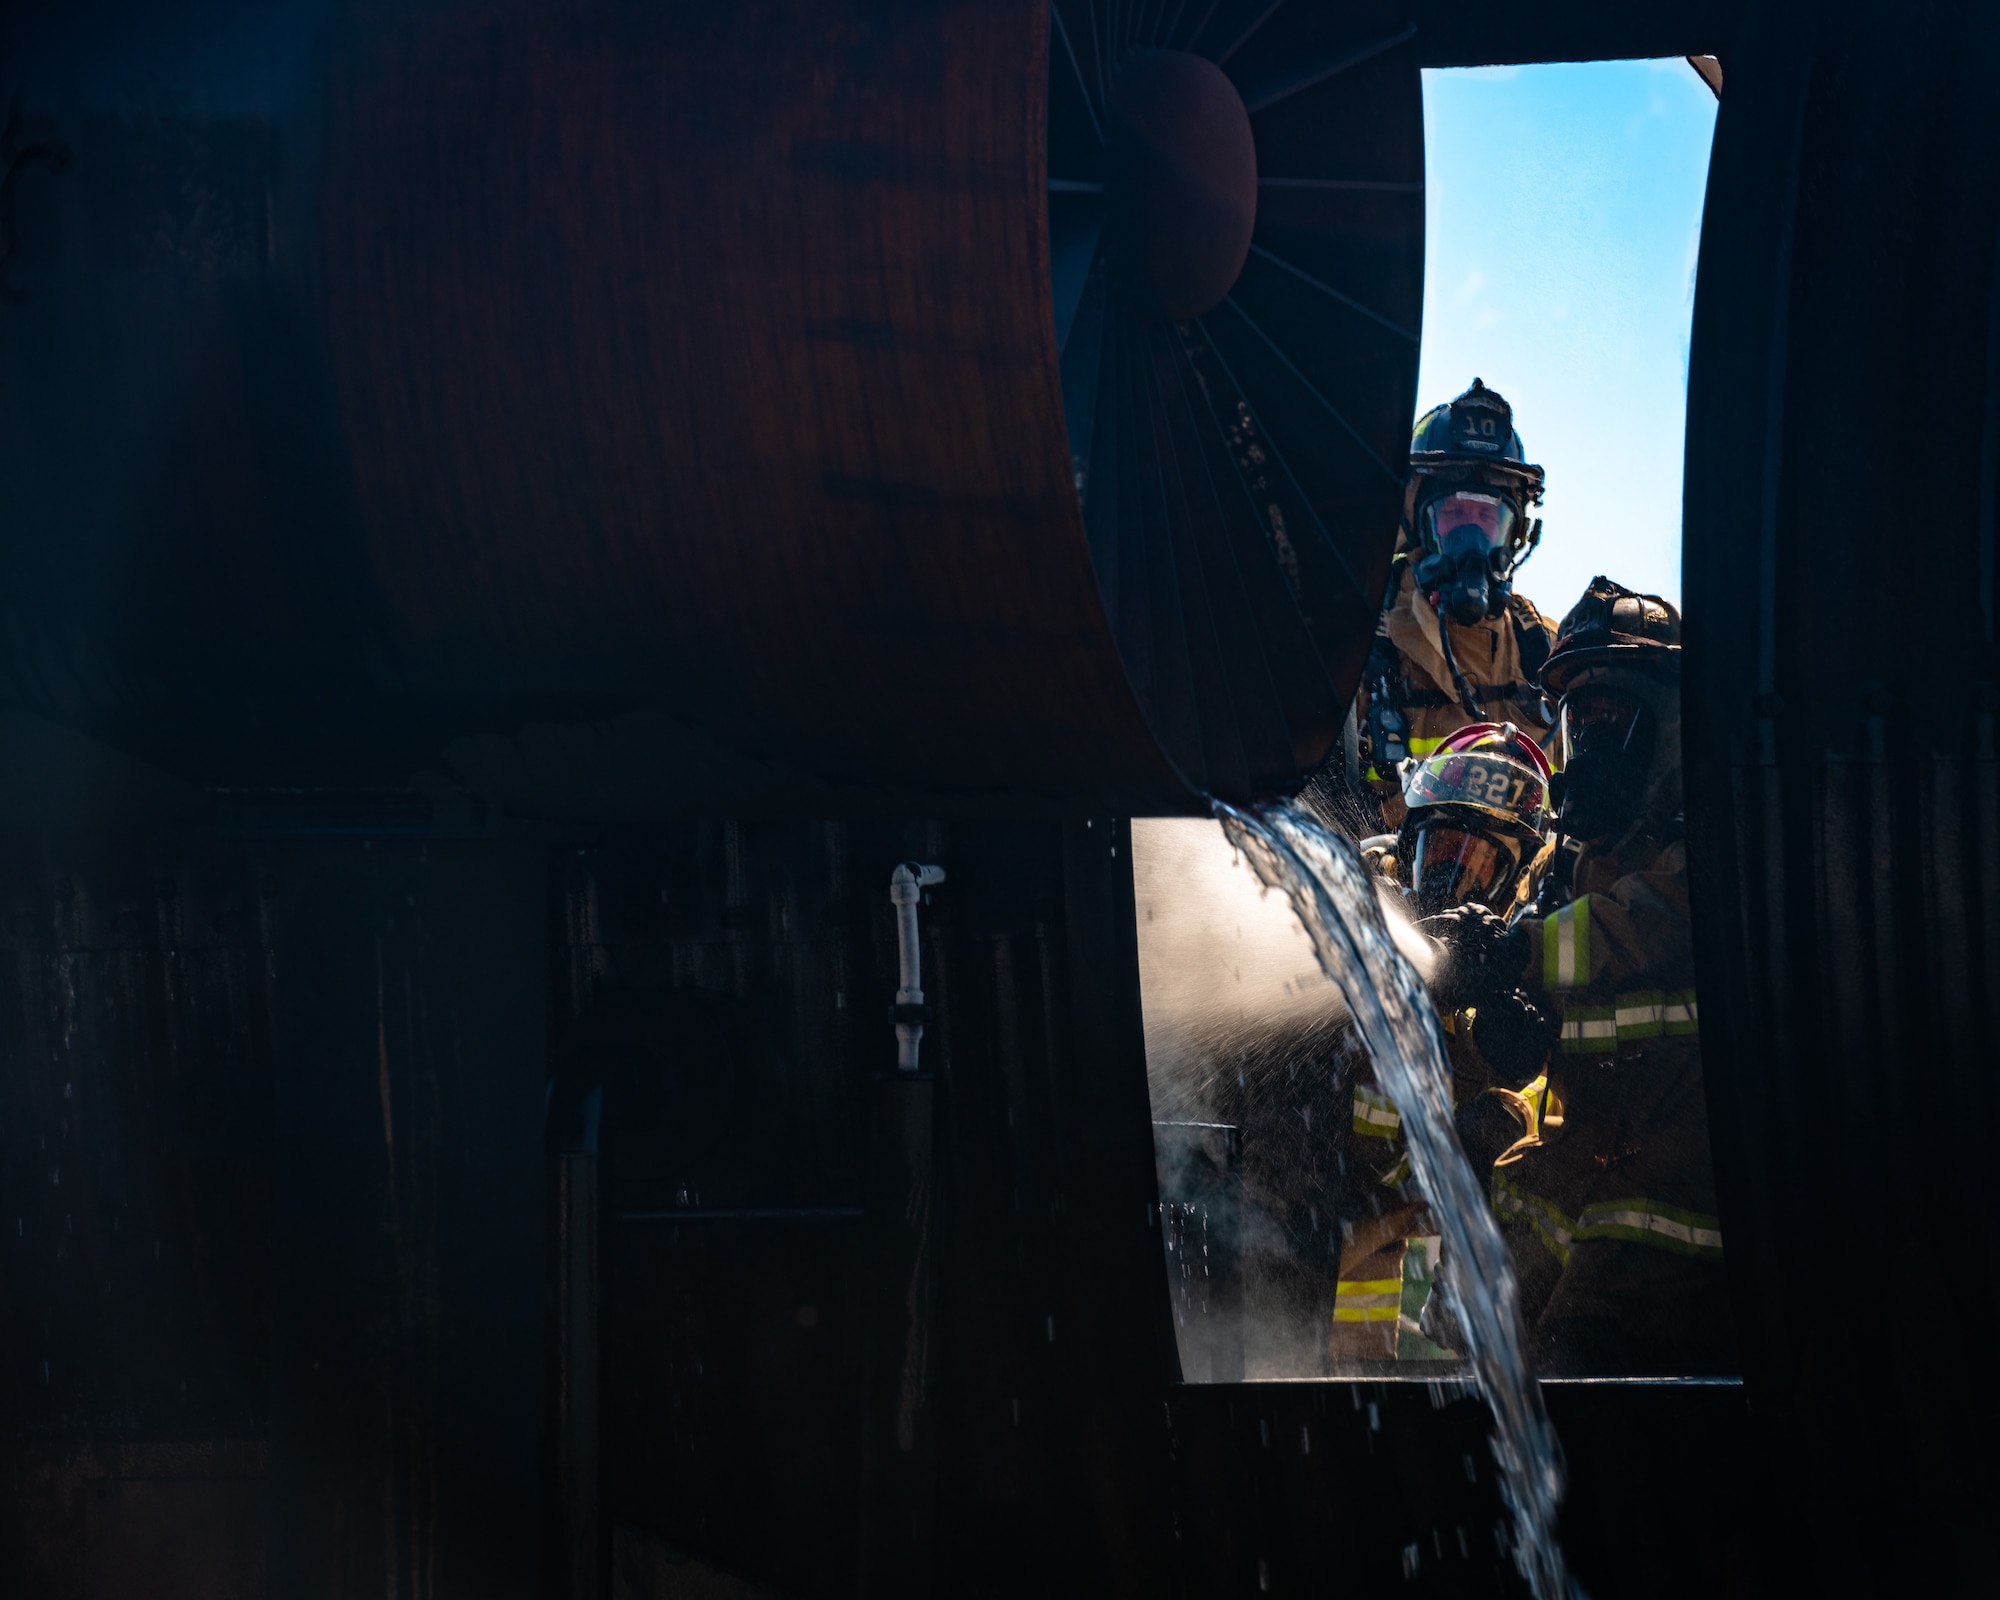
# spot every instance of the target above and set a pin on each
(906, 888)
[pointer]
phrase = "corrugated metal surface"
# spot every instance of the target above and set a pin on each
(1844, 816)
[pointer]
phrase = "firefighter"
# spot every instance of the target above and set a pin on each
(1454, 643)
(1607, 1190)
(1472, 835)
(1472, 826)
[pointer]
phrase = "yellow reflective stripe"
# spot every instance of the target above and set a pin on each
(1397, 1173)
(1640, 1016)
(1589, 1030)
(1375, 1115)
(1632, 1221)
(1566, 946)
(1544, 1218)
(1367, 1299)
(1678, 1013)
(1652, 1222)
(1643, 1014)
(1418, 749)
(1528, 1100)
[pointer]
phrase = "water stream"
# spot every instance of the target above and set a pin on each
(1321, 874)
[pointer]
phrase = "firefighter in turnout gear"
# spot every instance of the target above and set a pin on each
(1454, 643)
(1606, 1187)
(1473, 820)
(1472, 838)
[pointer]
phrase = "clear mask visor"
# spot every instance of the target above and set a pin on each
(1468, 520)
(1455, 865)
(1598, 717)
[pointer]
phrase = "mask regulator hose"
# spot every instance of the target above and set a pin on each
(1468, 700)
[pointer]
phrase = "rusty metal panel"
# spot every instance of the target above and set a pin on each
(638, 413)
(599, 407)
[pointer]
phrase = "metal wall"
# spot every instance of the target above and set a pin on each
(273, 1108)
(302, 1264)
(274, 1291)
(1844, 819)
(858, 1329)
(138, 1172)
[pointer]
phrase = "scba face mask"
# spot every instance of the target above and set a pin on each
(1605, 737)
(1458, 863)
(1468, 536)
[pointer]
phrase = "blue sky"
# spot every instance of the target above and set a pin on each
(1564, 215)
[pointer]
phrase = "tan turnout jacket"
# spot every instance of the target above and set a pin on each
(1488, 653)
(1609, 1199)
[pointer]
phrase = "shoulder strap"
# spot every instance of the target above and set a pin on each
(1525, 694)
(1397, 564)
(1529, 634)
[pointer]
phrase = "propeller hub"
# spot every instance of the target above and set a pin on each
(1182, 195)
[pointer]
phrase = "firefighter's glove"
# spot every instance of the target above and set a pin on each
(1515, 1036)
(1479, 956)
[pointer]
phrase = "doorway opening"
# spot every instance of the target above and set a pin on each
(1563, 223)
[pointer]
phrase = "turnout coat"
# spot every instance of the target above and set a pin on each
(1608, 1197)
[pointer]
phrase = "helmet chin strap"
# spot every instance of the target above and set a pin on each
(1528, 547)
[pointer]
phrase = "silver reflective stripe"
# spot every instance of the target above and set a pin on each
(1679, 1014)
(1650, 1222)
(1653, 1222)
(1372, 1111)
(1589, 1030)
(1550, 1223)
(1643, 1016)
(1640, 1016)
(1633, 1221)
